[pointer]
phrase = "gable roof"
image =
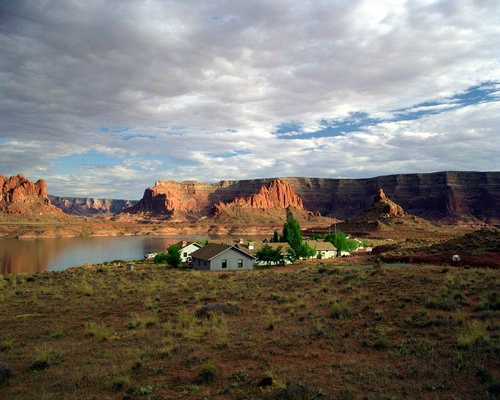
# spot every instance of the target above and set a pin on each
(187, 243)
(211, 250)
(274, 245)
(321, 246)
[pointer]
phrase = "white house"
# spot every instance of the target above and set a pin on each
(222, 257)
(187, 248)
(323, 249)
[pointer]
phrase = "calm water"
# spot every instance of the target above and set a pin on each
(36, 255)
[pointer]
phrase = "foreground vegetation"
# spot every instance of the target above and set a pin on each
(313, 332)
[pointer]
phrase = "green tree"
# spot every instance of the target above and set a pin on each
(292, 233)
(302, 251)
(269, 255)
(174, 256)
(341, 242)
(160, 258)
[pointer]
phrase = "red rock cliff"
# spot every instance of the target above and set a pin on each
(436, 196)
(21, 196)
(278, 194)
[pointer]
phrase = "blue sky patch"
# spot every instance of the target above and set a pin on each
(115, 129)
(74, 162)
(358, 121)
(229, 154)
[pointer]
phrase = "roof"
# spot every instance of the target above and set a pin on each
(180, 244)
(274, 245)
(321, 246)
(211, 250)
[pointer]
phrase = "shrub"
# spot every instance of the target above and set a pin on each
(474, 336)
(207, 373)
(144, 320)
(120, 381)
(338, 311)
(5, 374)
(297, 391)
(160, 258)
(6, 344)
(83, 287)
(45, 357)
(100, 331)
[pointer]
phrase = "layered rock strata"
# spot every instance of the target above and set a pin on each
(442, 196)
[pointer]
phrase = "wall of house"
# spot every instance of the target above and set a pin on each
(201, 264)
(232, 257)
(326, 254)
(188, 249)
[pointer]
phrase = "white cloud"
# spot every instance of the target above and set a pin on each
(186, 72)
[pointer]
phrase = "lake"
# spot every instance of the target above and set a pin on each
(37, 255)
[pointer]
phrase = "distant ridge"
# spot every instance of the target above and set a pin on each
(90, 206)
(454, 197)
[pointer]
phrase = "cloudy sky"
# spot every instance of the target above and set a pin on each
(101, 98)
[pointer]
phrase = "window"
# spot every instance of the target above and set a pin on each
(240, 263)
(224, 263)
(185, 254)
(204, 262)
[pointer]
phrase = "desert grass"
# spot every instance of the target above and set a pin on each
(316, 332)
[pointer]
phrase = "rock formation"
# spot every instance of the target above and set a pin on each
(21, 196)
(387, 216)
(278, 194)
(385, 207)
(90, 206)
(453, 197)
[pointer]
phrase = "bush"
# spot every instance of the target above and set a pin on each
(474, 336)
(161, 258)
(5, 374)
(207, 373)
(45, 358)
(120, 381)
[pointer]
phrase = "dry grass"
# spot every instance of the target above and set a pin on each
(415, 332)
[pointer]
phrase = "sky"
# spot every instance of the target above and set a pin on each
(102, 98)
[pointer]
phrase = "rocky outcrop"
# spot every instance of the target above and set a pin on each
(278, 194)
(90, 206)
(21, 196)
(443, 196)
(385, 207)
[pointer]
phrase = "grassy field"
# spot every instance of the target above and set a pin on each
(314, 332)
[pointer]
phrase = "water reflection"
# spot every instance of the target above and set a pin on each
(36, 255)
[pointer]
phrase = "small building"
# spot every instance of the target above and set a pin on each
(215, 256)
(187, 248)
(323, 249)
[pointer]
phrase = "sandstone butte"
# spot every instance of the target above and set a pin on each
(22, 197)
(278, 194)
(19, 189)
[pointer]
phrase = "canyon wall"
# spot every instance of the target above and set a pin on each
(440, 196)
(90, 206)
